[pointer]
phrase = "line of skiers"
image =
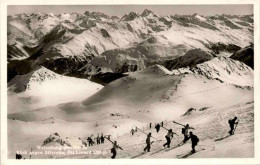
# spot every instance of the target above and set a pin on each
(185, 131)
(169, 136)
(99, 140)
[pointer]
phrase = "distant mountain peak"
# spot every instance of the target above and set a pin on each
(148, 12)
(130, 16)
(96, 15)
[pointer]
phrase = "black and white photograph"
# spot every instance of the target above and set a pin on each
(130, 81)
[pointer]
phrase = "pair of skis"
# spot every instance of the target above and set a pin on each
(182, 124)
(168, 130)
(147, 134)
(114, 143)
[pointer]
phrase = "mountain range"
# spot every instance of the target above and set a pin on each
(102, 48)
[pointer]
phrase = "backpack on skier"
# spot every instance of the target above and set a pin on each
(230, 121)
(183, 130)
(113, 150)
(196, 139)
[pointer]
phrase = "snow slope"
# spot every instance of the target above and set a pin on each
(144, 97)
(42, 88)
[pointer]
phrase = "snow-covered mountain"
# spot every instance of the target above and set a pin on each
(42, 87)
(190, 59)
(80, 44)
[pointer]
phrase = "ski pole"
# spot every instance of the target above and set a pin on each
(236, 126)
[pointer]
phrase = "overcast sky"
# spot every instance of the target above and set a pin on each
(120, 10)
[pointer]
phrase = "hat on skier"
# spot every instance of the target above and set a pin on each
(170, 130)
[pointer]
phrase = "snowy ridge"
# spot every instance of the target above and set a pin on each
(25, 82)
(227, 70)
(190, 59)
(50, 88)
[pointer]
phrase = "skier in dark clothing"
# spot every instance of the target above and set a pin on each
(148, 142)
(113, 150)
(185, 132)
(132, 131)
(157, 127)
(90, 141)
(150, 125)
(18, 156)
(168, 137)
(162, 124)
(102, 139)
(232, 123)
(194, 141)
(98, 140)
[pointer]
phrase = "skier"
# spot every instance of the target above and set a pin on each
(150, 125)
(168, 137)
(148, 142)
(98, 140)
(185, 132)
(102, 139)
(157, 127)
(90, 141)
(18, 156)
(162, 124)
(113, 150)
(232, 123)
(194, 141)
(132, 131)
